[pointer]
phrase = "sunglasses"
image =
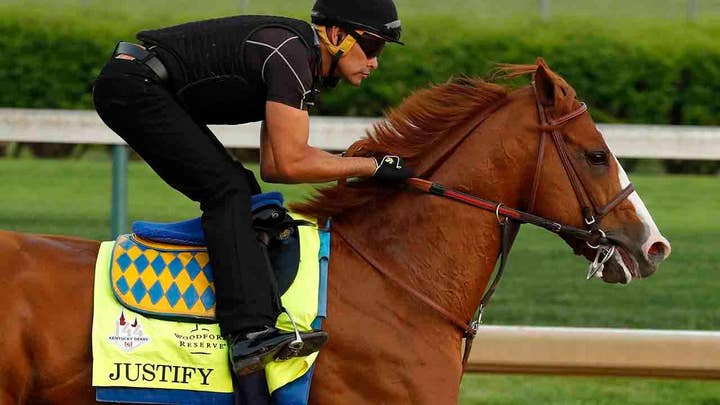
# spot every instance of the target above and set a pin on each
(371, 45)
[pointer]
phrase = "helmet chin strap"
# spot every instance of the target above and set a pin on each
(337, 52)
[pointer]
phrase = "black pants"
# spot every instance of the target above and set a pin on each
(132, 101)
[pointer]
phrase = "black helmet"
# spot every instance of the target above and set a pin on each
(376, 16)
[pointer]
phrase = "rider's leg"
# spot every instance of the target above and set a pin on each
(189, 158)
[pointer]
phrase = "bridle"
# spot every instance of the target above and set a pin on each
(592, 213)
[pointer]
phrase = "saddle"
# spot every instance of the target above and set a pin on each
(162, 270)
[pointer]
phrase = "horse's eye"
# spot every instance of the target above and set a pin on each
(598, 157)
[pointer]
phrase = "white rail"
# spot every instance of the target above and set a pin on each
(337, 133)
(596, 351)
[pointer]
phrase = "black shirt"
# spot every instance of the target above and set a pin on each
(278, 58)
(224, 70)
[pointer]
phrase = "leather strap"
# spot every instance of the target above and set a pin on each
(390, 276)
(625, 193)
(592, 212)
(538, 172)
(144, 56)
(569, 116)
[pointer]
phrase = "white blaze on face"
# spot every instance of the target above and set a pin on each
(640, 209)
(653, 234)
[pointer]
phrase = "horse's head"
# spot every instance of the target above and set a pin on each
(479, 138)
(600, 184)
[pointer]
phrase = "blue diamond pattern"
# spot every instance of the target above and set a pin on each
(126, 244)
(175, 267)
(208, 272)
(173, 294)
(138, 290)
(141, 263)
(193, 268)
(208, 298)
(158, 264)
(190, 296)
(156, 292)
(124, 261)
(122, 284)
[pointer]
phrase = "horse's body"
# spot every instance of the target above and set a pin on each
(46, 316)
(385, 345)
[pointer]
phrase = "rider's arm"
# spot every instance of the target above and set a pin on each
(286, 156)
(279, 59)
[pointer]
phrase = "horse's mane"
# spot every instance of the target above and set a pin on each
(411, 130)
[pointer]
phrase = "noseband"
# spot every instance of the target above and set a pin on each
(591, 211)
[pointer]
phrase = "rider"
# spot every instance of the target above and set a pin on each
(160, 95)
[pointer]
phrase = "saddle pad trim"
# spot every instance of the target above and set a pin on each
(127, 243)
(167, 247)
(160, 396)
(324, 258)
(296, 392)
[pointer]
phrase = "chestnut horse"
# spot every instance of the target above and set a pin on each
(386, 345)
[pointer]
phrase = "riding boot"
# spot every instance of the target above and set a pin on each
(250, 352)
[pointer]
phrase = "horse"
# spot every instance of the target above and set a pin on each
(405, 265)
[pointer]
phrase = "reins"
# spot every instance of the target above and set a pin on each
(594, 237)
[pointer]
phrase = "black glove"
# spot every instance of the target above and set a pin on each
(391, 168)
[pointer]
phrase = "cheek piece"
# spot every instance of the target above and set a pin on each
(337, 52)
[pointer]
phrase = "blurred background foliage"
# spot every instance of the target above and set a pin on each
(645, 61)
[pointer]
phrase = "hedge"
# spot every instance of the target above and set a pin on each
(636, 72)
(52, 65)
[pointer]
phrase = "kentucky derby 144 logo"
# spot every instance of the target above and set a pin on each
(128, 336)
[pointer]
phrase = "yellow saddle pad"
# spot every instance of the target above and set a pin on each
(150, 280)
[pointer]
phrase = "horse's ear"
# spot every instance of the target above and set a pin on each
(544, 84)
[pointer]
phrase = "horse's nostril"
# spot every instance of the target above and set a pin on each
(656, 253)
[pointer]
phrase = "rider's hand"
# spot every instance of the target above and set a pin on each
(391, 168)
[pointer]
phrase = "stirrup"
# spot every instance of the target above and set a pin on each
(296, 345)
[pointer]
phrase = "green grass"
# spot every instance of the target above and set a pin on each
(522, 390)
(544, 284)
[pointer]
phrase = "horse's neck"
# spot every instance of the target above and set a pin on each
(439, 247)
